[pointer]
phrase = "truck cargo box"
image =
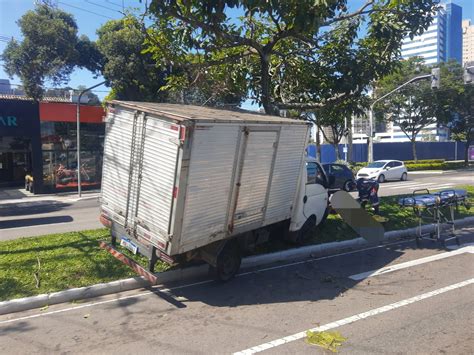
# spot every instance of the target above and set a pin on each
(180, 177)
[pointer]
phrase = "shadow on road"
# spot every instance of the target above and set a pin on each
(313, 280)
(28, 222)
(31, 208)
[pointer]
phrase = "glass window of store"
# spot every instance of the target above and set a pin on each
(59, 154)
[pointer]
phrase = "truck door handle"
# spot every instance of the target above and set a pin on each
(305, 199)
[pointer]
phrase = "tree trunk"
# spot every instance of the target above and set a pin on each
(413, 147)
(269, 107)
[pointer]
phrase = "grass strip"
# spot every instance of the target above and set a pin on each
(50, 263)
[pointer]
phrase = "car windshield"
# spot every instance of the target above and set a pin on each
(376, 164)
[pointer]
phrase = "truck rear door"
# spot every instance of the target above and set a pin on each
(140, 160)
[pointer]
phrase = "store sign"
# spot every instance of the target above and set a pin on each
(8, 121)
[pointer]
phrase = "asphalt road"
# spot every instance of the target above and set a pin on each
(420, 180)
(413, 305)
(50, 214)
(33, 218)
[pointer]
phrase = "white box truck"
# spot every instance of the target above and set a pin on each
(183, 182)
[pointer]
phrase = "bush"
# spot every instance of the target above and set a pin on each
(427, 161)
(435, 166)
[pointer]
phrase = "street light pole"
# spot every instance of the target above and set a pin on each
(78, 135)
(370, 153)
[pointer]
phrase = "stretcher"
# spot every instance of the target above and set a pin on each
(436, 208)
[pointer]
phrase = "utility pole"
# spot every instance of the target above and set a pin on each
(435, 81)
(78, 135)
(345, 139)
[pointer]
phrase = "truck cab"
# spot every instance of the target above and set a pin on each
(311, 205)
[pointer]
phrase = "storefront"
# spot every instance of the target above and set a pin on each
(39, 139)
(20, 145)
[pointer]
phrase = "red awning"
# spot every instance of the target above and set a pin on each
(66, 112)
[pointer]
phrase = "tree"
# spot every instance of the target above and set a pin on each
(294, 54)
(49, 50)
(131, 74)
(333, 117)
(412, 108)
(455, 106)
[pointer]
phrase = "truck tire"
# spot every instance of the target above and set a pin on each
(325, 215)
(303, 234)
(228, 262)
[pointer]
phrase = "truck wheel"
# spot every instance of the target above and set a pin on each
(325, 215)
(228, 262)
(304, 234)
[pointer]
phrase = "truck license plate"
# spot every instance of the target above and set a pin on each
(125, 242)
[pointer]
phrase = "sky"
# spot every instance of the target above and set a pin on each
(92, 14)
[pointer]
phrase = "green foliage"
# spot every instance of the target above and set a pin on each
(417, 105)
(48, 51)
(132, 74)
(301, 55)
(435, 166)
(413, 107)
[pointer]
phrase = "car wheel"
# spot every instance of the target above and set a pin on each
(381, 178)
(404, 177)
(347, 186)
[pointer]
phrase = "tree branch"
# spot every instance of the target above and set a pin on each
(361, 11)
(312, 105)
(218, 32)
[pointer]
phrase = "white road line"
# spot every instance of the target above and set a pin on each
(410, 186)
(400, 183)
(199, 283)
(355, 318)
(428, 259)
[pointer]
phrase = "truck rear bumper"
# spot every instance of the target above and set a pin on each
(140, 270)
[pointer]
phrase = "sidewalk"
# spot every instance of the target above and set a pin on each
(16, 195)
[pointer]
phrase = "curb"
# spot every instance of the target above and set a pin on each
(296, 254)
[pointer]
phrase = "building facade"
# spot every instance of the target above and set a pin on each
(39, 139)
(467, 42)
(443, 39)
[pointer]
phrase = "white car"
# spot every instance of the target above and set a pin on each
(382, 170)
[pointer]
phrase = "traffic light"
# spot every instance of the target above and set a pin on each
(468, 75)
(435, 78)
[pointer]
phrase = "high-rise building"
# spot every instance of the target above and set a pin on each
(453, 32)
(467, 42)
(442, 40)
